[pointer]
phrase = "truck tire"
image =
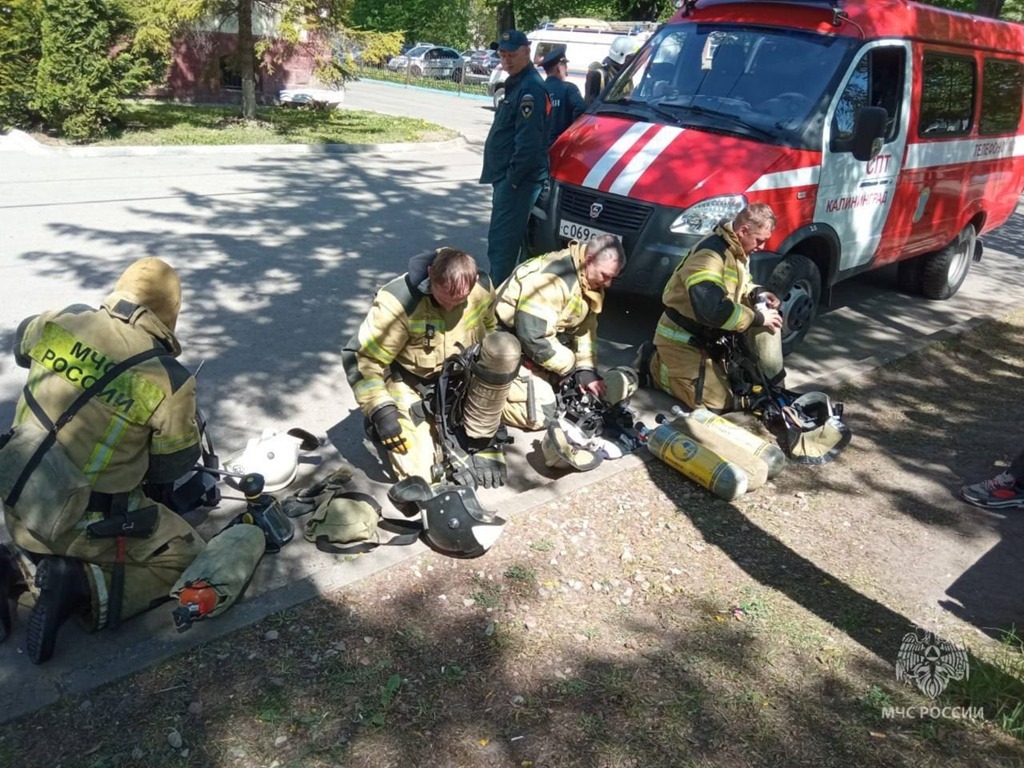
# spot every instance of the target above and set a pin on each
(796, 280)
(908, 275)
(499, 95)
(944, 271)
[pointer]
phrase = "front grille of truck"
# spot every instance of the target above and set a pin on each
(619, 214)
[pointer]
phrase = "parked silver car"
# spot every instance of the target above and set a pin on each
(426, 60)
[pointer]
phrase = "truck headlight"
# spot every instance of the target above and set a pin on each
(701, 218)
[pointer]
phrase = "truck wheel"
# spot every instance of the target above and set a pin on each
(797, 282)
(944, 271)
(499, 96)
(908, 275)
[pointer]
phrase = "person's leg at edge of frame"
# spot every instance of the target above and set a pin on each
(1004, 491)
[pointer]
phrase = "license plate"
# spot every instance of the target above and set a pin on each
(581, 232)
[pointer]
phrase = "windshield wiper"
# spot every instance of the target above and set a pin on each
(621, 108)
(630, 107)
(704, 111)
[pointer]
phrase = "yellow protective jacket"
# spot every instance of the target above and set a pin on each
(408, 329)
(711, 289)
(548, 304)
(143, 424)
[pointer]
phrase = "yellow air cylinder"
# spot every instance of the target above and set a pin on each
(770, 454)
(719, 444)
(702, 465)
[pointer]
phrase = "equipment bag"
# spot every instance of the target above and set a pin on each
(226, 565)
(49, 502)
(344, 523)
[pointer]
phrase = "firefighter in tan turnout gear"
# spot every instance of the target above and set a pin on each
(437, 312)
(551, 303)
(711, 294)
(119, 552)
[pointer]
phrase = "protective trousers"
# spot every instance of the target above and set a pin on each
(151, 565)
(506, 236)
(422, 451)
(675, 369)
(531, 400)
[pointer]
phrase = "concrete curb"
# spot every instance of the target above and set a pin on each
(19, 141)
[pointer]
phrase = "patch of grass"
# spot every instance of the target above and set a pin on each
(754, 605)
(453, 673)
(542, 545)
(995, 685)
(875, 700)
(573, 686)
(487, 597)
(521, 573)
(169, 124)
(375, 708)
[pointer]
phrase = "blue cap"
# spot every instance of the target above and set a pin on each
(554, 56)
(512, 40)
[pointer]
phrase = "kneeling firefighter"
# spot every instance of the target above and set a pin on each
(551, 303)
(105, 425)
(709, 302)
(430, 374)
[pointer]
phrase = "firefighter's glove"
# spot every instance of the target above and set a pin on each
(584, 377)
(586, 380)
(460, 466)
(489, 467)
(389, 430)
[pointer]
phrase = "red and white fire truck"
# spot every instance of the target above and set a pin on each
(878, 131)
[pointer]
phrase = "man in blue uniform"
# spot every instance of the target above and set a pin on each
(566, 100)
(515, 154)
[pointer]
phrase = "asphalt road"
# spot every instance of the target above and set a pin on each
(280, 250)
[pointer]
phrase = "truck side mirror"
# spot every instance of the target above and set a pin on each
(868, 131)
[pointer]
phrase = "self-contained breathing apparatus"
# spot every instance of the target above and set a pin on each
(465, 403)
(808, 426)
(609, 419)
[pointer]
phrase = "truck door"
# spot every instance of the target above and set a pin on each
(856, 197)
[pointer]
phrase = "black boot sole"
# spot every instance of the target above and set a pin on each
(48, 614)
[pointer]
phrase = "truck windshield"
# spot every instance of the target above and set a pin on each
(769, 84)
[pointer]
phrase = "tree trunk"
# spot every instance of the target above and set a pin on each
(506, 17)
(246, 59)
(988, 8)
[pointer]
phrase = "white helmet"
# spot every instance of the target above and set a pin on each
(273, 455)
(621, 48)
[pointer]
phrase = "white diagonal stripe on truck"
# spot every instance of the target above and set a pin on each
(639, 164)
(798, 177)
(615, 153)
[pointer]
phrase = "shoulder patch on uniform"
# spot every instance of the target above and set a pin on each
(526, 105)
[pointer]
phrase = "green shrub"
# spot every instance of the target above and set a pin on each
(19, 57)
(87, 67)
